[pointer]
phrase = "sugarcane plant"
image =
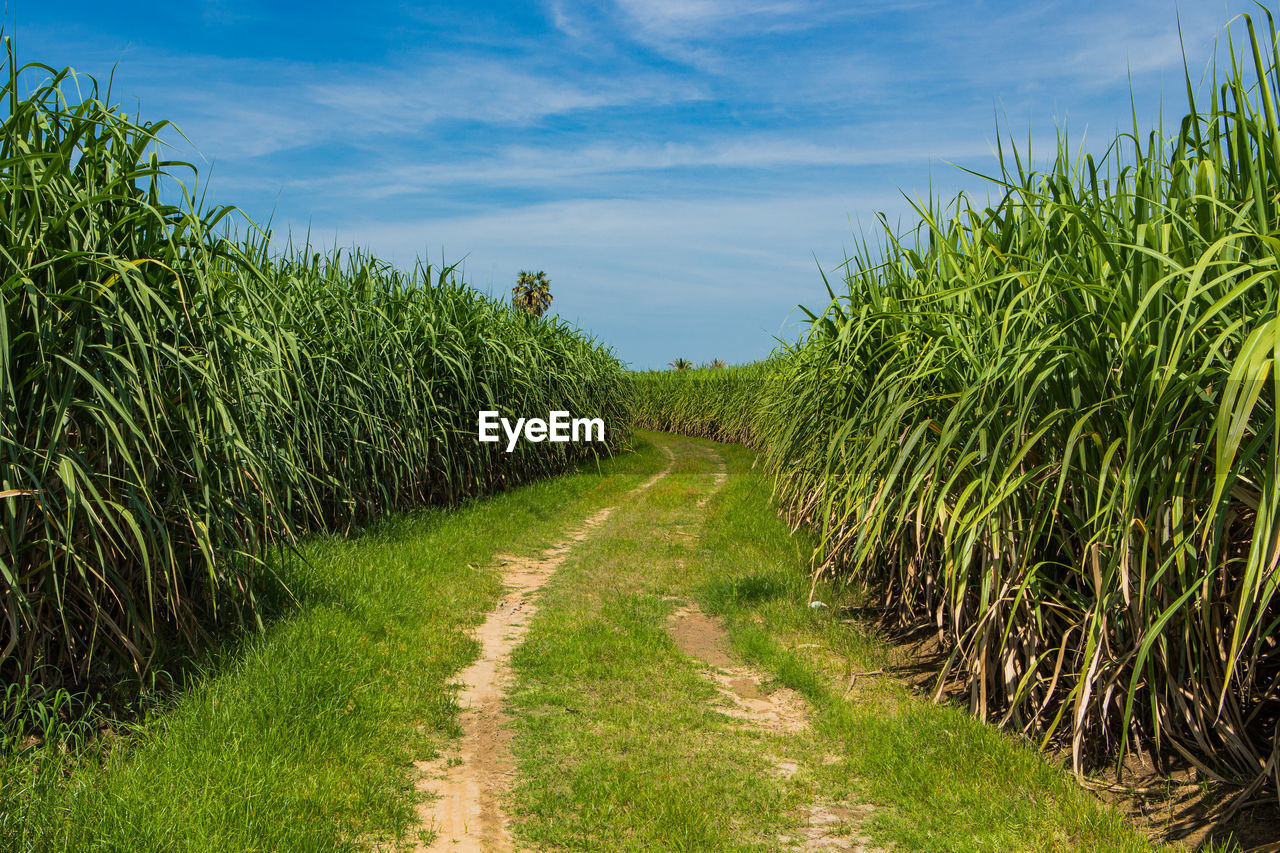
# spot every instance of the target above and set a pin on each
(1046, 426)
(720, 403)
(174, 399)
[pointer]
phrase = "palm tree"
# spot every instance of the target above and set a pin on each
(532, 293)
(681, 364)
(716, 363)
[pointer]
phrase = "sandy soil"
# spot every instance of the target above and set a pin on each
(700, 636)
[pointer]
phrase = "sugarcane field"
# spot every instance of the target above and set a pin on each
(649, 425)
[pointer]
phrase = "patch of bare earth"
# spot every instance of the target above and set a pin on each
(1172, 806)
(465, 789)
(833, 827)
(699, 636)
(827, 826)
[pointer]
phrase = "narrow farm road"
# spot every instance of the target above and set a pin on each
(657, 680)
(465, 812)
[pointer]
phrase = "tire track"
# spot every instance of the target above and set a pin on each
(780, 711)
(466, 788)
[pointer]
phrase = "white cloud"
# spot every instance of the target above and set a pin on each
(687, 30)
(488, 91)
(683, 19)
(1054, 44)
(564, 20)
(251, 108)
(601, 165)
(1127, 47)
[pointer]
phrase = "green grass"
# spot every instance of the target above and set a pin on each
(619, 745)
(301, 738)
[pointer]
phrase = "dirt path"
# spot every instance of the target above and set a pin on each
(465, 811)
(779, 710)
(466, 787)
(634, 722)
(700, 636)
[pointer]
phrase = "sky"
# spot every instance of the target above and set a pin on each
(685, 171)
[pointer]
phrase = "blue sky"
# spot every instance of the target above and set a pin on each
(680, 168)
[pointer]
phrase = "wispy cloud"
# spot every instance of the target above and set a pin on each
(1121, 46)
(486, 91)
(619, 167)
(249, 109)
(697, 19)
(688, 31)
